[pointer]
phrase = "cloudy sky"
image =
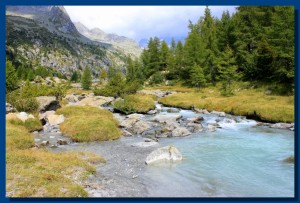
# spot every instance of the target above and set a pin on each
(142, 22)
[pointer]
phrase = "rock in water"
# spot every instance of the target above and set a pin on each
(180, 132)
(289, 160)
(219, 113)
(196, 119)
(164, 154)
(167, 118)
(130, 120)
(202, 111)
(151, 112)
(140, 126)
(282, 125)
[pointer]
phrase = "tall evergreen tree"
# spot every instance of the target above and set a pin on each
(197, 78)
(86, 78)
(228, 70)
(208, 32)
(11, 77)
(164, 54)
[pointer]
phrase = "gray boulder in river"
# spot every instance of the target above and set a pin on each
(164, 154)
(180, 132)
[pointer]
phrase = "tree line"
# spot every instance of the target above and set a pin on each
(254, 44)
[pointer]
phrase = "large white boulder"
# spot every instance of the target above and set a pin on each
(164, 154)
(24, 116)
(167, 118)
(55, 119)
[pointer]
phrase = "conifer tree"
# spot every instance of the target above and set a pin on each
(86, 78)
(197, 77)
(11, 77)
(228, 71)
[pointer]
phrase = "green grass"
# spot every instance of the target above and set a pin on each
(136, 103)
(31, 124)
(78, 91)
(32, 172)
(175, 88)
(18, 137)
(248, 102)
(86, 123)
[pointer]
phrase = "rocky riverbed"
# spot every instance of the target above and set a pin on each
(126, 174)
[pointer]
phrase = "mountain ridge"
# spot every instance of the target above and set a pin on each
(125, 44)
(45, 35)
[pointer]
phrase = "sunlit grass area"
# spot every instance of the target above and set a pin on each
(247, 102)
(32, 172)
(85, 123)
(136, 103)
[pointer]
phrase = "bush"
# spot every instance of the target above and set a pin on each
(24, 99)
(21, 102)
(156, 78)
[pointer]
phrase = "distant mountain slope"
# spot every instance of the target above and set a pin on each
(45, 35)
(124, 44)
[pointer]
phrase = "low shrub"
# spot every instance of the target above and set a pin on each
(22, 103)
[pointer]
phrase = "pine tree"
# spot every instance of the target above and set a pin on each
(103, 75)
(130, 70)
(197, 77)
(179, 59)
(164, 53)
(11, 77)
(74, 77)
(208, 33)
(86, 79)
(228, 71)
(30, 75)
(225, 32)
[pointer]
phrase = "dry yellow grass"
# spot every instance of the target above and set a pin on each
(78, 91)
(247, 102)
(136, 103)
(172, 88)
(86, 123)
(32, 172)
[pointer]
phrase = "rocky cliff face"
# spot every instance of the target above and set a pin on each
(45, 35)
(124, 44)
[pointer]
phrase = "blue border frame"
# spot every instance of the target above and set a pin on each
(3, 3)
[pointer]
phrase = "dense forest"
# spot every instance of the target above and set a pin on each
(254, 44)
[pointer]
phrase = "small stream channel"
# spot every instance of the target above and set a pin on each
(239, 159)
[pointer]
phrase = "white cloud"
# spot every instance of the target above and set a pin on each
(139, 22)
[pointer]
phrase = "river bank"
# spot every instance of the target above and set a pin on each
(201, 136)
(126, 175)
